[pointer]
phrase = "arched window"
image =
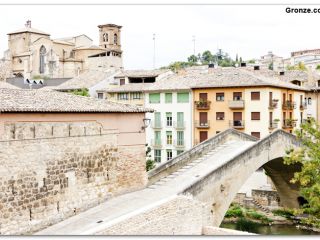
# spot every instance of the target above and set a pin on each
(115, 38)
(43, 52)
(105, 37)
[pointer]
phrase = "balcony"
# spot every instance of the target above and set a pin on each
(273, 104)
(273, 124)
(156, 125)
(202, 105)
(179, 125)
(303, 106)
(200, 124)
(236, 104)
(179, 143)
(288, 105)
(156, 143)
(238, 124)
(289, 123)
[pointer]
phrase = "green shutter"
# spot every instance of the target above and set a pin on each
(183, 97)
(180, 119)
(154, 98)
(157, 136)
(180, 138)
(168, 98)
(157, 119)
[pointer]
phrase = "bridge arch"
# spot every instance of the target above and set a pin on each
(218, 188)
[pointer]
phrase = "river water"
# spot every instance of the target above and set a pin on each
(275, 229)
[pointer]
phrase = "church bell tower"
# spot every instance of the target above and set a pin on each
(110, 38)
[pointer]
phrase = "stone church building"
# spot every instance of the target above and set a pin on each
(33, 53)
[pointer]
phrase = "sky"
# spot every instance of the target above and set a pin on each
(249, 31)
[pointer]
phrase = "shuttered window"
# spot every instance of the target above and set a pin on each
(237, 96)
(157, 119)
(255, 115)
(157, 155)
(183, 97)
(168, 98)
(180, 138)
(169, 137)
(220, 96)
(220, 115)
(255, 134)
(255, 95)
(154, 98)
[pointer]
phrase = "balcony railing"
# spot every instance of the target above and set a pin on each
(156, 143)
(202, 105)
(202, 124)
(273, 124)
(273, 104)
(303, 105)
(156, 124)
(179, 125)
(236, 104)
(289, 123)
(288, 105)
(238, 124)
(179, 143)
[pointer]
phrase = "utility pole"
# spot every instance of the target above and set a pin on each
(154, 51)
(194, 44)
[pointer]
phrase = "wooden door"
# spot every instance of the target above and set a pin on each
(203, 96)
(203, 117)
(203, 136)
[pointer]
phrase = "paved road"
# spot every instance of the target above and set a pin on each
(112, 211)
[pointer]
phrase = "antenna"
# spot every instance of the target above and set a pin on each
(154, 51)
(194, 44)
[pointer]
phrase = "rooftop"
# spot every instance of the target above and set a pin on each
(86, 80)
(110, 25)
(7, 85)
(142, 73)
(30, 30)
(18, 100)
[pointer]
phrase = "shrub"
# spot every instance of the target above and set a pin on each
(287, 213)
(150, 165)
(234, 212)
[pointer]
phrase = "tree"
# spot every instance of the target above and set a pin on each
(193, 59)
(81, 92)
(207, 57)
(270, 67)
(150, 164)
(237, 60)
(241, 59)
(318, 67)
(308, 155)
(300, 67)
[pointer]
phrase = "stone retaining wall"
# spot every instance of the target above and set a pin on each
(43, 181)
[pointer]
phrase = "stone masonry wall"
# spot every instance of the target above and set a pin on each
(43, 181)
(181, 215)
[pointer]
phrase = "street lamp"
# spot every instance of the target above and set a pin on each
(146, 123)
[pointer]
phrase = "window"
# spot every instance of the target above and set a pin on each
(179, 152)
(154, 98)
(123, 96)
(169, 119)
(105, 37)
(157, 155)
(115, 38)
(255, 115)
(180, 119)
(100, 95)
(218, 132)
(237, 96)
(255, 95)
(157, 136)
(168, 98)
(43, 52)
(122, 81)
(169, 137)
(220, 115)
(219, 96)
(136, 95)
(180, 138)
(157, 119)
(309, 101)
(169, 154)
(183, 97)
(255, 134)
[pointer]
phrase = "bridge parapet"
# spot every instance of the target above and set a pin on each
(199, 150)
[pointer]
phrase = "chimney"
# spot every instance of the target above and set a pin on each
(256, 67)
(281, 73)
(243, 64)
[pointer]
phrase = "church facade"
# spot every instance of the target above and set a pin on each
(33, 54)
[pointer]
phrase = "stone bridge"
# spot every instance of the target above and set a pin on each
(192, 191)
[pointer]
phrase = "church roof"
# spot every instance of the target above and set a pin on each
(30, 30)
(110, 25)
(18, 100)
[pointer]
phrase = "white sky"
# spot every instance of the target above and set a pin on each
(250, 31)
